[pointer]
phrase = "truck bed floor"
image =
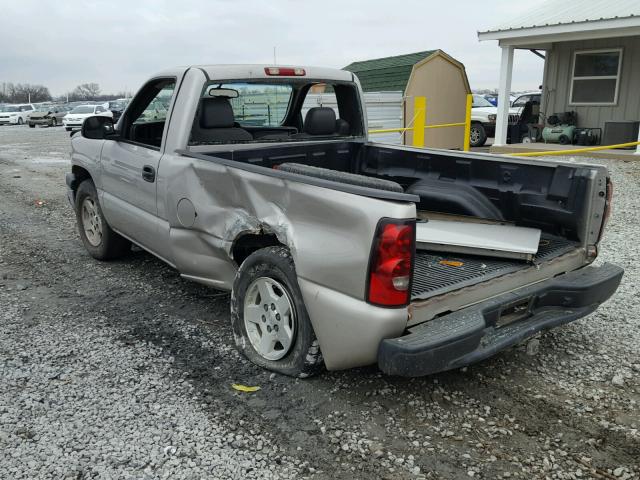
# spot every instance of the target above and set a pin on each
(434, 274)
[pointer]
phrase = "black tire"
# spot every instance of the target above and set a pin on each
(54, 122)
(111, 244)
(478, 135)
(31, 125)
(563, 139)
(20, 121)
(68, 129)
(304, 357)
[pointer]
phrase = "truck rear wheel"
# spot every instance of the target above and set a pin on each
(270, 323)
(96, 234)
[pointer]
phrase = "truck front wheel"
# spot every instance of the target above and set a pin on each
(270, 323)
(96, 234)
(478, 136)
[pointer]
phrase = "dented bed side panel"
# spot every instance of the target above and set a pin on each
(209, 205)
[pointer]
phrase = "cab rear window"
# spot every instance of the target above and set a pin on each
(259, 105)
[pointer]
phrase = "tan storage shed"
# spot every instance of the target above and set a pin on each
(432, 74)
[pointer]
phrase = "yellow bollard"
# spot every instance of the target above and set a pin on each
(420, 120)
(467, 123)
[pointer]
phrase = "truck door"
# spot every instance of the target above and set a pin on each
(130, 167)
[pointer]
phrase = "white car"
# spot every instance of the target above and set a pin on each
(15, 114)
(75, 118)
(483, 120)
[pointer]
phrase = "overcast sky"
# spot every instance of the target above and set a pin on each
(118, 44)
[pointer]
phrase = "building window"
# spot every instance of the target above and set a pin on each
(596, 77)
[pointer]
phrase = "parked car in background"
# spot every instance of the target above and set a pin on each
(117, 107)
(523, 98)
(483, 120)
(49, 115)
(492, 98)
(15, 114)
(75, 118)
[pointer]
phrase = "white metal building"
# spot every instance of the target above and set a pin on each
(592, 59)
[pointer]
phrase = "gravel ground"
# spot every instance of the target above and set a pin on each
(123, 370)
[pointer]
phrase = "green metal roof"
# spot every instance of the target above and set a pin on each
(388, 74)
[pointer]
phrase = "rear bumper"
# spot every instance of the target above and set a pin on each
(478, 332)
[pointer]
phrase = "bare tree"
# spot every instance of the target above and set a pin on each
(24, 92)
(85, 91)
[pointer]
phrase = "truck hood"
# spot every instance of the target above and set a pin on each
(480, 113)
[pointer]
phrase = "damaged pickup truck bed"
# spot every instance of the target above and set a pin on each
(250, 184)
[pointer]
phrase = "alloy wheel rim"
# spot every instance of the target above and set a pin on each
(91, 222)
(269, 318)
(475, 135)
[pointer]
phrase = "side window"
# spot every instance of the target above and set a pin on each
(147, 113)
(156, 109)
(99, 110)
(520, 101)
(320, 95)
(342, 99)
(596, 77)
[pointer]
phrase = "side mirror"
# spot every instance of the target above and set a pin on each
(98, 128)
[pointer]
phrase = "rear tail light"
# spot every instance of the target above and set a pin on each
(391, 263)
(284, 72)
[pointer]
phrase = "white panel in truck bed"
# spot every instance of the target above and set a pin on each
(505, 241)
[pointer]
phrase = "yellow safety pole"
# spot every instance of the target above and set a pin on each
(467, 123)
(420, 111)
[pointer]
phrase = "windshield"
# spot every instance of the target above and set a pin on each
(11, 108)
(83, 109)
(480, 101)
(44, 108)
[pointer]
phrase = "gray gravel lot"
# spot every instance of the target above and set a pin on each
(123, 370)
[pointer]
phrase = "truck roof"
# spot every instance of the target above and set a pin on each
(257, 71)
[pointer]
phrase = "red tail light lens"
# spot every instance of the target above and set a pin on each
(391, 266)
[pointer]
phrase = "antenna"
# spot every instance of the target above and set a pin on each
(274, 55)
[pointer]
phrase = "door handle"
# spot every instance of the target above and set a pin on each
(149, 173)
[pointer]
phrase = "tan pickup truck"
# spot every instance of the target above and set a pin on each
(249, 186)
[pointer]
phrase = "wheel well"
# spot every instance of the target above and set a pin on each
(81, 175)
(248, 243)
